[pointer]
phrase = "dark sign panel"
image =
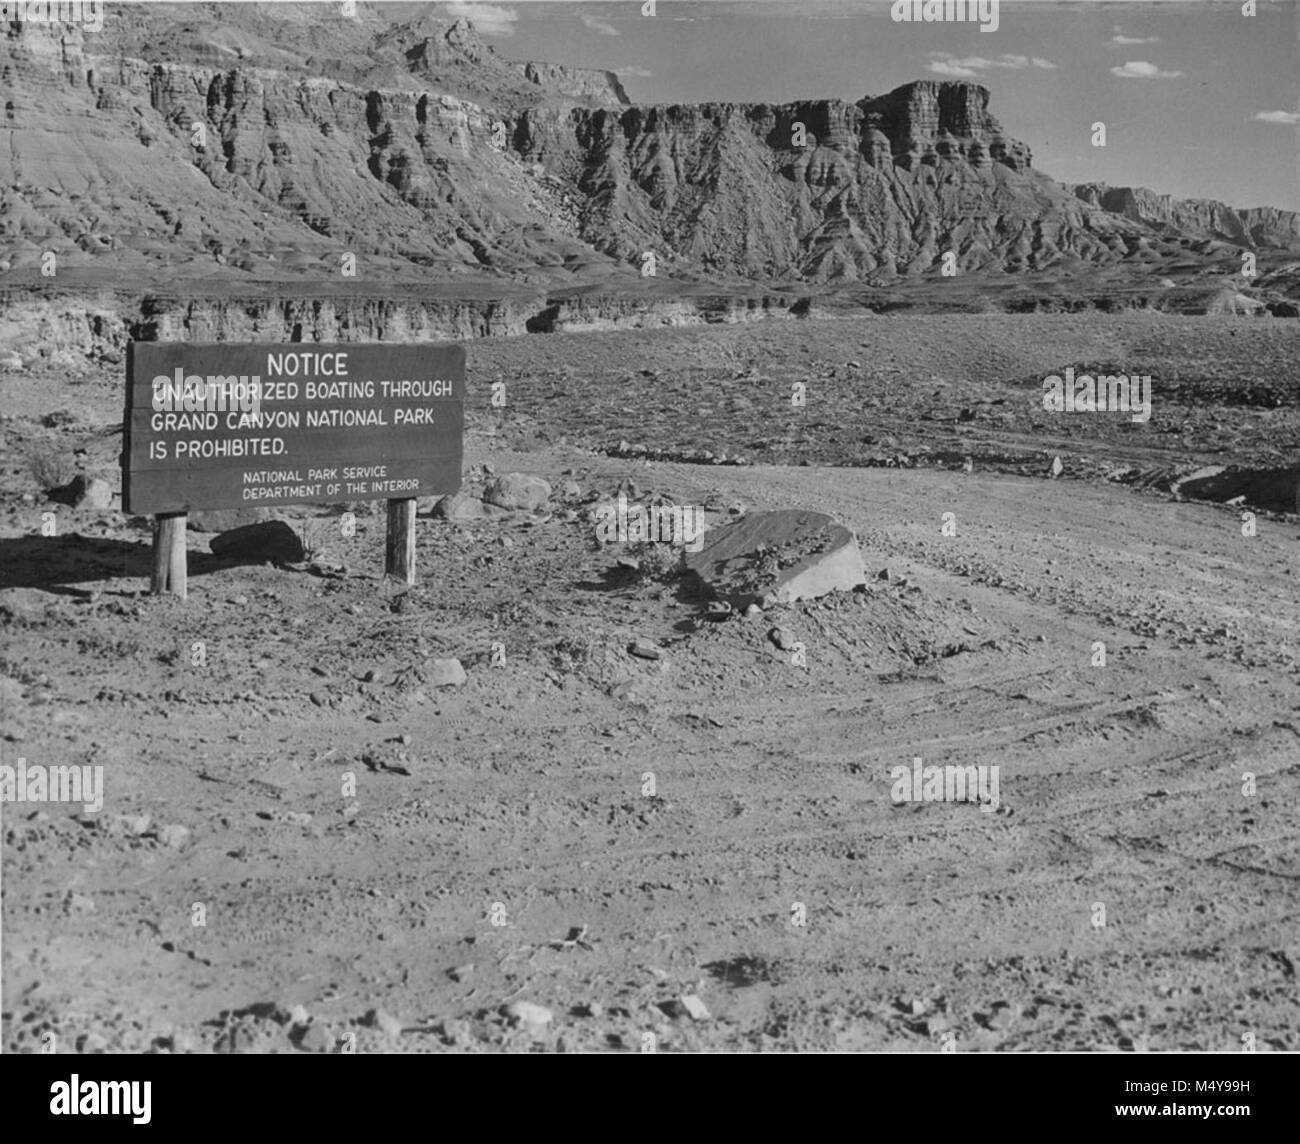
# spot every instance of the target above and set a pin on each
(225, 426)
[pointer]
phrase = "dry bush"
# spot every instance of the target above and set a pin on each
(49, 467)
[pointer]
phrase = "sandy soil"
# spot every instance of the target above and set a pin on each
(502, 825)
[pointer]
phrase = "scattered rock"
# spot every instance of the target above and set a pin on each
(783, 638)
(445, 673)
(778, 557)
(524, 1014)
(695, 1008)
(174, 835)
(293, 1016)
(457, 1032)
(645, 649)
(385, 1022)
(315, 1038)
(76, 903)
(459, 507)
(1056, 469)
(84, 492)
(461, 973)
(268, 540)
(125, 825)
(517, 491)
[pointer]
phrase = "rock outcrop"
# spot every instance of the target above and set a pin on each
(281, 143)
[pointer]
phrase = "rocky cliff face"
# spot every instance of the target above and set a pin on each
(251, 144)
(1258, 227)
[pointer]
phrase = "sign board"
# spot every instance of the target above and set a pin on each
(231, 426)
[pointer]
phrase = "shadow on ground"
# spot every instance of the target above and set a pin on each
(56, 563)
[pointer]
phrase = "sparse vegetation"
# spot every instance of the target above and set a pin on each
(49, 467)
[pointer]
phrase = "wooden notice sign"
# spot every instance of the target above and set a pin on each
(231, 426)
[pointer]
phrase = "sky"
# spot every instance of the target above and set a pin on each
(1199, 100)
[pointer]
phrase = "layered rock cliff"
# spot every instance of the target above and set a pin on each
(253, 143)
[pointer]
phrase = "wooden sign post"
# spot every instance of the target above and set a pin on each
(234, 426)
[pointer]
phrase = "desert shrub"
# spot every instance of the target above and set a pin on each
(49, 467)
(656, 560)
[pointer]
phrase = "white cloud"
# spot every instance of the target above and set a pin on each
(943, 63)
(635, 72)
(1291, 118)
(596, 24)
(1120, 38)
(1141, 69)
(490, 19)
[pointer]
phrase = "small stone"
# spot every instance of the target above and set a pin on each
(78, 903)
(445, 673)
(174, 835)
(595, 1009)
(752, 611)
(125, 825)
(461, 972)
(694, 1007)
(783, 638)
(294, 1016)
(517, 491)
(645, 649)
(319, 698)
(316, 1039)
(885, 575)
(84, 492)
(457, 1032)
(385, 1022)
(460, 506)
(534, 1018)
(1057, 468)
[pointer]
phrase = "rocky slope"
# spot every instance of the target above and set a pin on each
(258, 143)
(1257, 227)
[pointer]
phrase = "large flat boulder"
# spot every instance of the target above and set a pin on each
(269, 540)
(777, 558)
(224, 519)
